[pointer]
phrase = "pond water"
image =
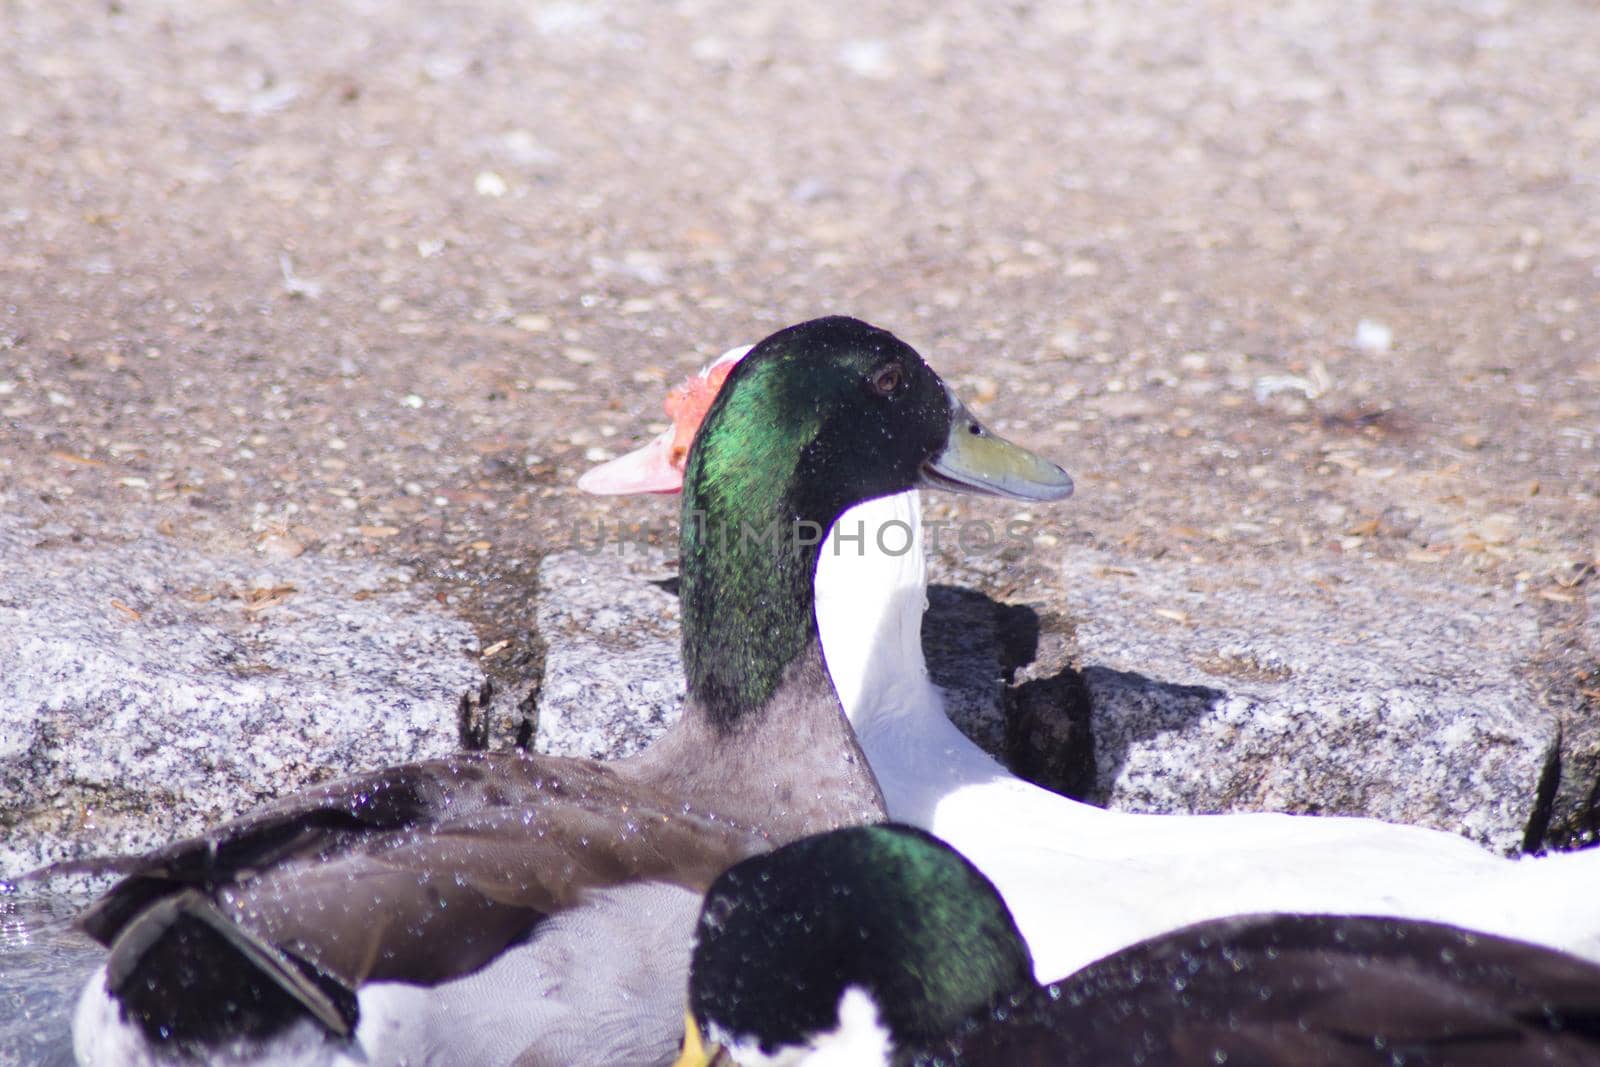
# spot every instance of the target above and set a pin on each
(43, 964)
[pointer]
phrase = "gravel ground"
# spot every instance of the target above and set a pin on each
(380, 279)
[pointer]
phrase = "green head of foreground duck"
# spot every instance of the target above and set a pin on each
(880, 946)
(847, 946)
(816, 418)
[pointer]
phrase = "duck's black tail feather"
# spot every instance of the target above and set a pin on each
(190, 976)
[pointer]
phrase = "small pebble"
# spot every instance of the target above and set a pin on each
(488, 183)
(1373, 337)
(866, 59)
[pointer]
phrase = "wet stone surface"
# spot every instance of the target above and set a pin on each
(1329, 687)
(613, 679)
(148, 693)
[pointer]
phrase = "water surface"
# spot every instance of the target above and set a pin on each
(43, 964)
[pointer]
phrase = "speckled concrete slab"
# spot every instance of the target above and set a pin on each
(1333, 687)
(613, 678)
(1577, 798)
(147, 694)
(1316, 687)
(612, 675)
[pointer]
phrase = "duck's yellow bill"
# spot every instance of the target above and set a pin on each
(695, 1053)
(974, 460)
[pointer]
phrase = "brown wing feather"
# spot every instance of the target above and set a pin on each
(427, 871)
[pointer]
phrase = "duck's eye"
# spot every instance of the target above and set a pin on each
(886, 381)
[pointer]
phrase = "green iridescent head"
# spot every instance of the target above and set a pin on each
(888, 910)
(816, 419)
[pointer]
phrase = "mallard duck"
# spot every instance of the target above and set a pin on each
(1132, 875)
(497, 908)
(881, 945)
